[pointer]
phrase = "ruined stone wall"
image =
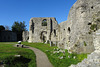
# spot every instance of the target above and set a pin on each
(75, 34)
(83, 20)
(62, 35)
(25, 36)
(93, 60)
(41, 33)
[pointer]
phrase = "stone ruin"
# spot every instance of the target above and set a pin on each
(93, 60)
(75, 34)
(43, 29)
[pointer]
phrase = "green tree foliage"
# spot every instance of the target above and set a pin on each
(19, 27)
(2, 27)
(44, 22)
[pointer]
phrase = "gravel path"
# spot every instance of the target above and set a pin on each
(41, 58)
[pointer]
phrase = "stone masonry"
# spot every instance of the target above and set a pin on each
(43, 29)
(25, 36)
(80, 33)
(93, 60)
(83, 20)
(75, 34)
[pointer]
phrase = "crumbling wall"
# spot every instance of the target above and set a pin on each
(81, 25)
(43, 29)
(25, 35)
(93, 60)
(75, 34)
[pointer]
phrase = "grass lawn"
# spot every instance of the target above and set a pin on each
(58, 57)
(8, 52)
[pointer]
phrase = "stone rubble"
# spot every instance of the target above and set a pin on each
(93, 60)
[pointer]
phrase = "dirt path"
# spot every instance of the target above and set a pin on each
(41, 58)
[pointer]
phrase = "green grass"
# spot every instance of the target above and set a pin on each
(8, 52)
(55, 57)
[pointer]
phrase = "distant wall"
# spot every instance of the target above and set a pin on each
(8, 36)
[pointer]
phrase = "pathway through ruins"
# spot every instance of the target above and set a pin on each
(41, 58)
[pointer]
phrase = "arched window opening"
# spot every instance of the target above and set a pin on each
(43, 36)
(44, 22)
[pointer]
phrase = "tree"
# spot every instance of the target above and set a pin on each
(2, 27)
(19, 28)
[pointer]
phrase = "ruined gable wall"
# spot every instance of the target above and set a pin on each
(37, 31)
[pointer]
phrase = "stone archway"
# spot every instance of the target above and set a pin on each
(43, 36)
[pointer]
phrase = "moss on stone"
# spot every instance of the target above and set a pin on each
(85, 43)
(76, 45)
(93, 26)
(90, 32)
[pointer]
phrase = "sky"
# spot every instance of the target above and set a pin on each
(24, 10)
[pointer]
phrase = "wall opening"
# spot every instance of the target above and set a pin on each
(89, 23)
(51, 27)
(54, 32)
(44, 22)
(69, 29)
(92, 7)
(43, 36)
(32, 26)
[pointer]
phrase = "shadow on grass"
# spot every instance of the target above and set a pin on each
(16, 61)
